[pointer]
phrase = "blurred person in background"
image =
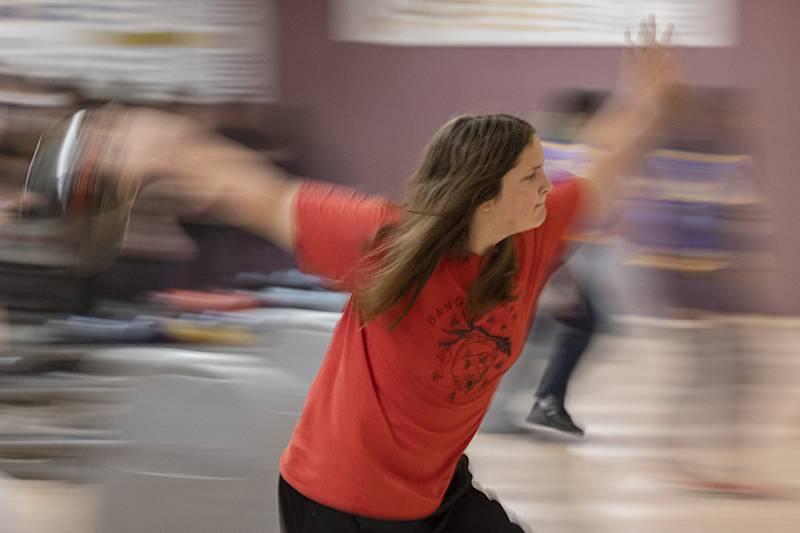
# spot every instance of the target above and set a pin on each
(582, 276)
(695, 226)
(444, 288)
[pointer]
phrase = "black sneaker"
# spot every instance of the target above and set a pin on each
(548, 413)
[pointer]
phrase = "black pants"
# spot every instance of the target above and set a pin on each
(465, 509)
(578, 329)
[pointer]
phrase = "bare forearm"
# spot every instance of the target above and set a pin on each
(237, 186)
(200, 169)
(620, 136)
(262, 205)
(621, 130)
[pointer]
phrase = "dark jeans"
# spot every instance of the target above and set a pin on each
(465, 509)
(577, 330)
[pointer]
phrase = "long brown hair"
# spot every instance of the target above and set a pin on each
(462, 168)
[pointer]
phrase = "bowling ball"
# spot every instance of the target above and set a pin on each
(65, 181)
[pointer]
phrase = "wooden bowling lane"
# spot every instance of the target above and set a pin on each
(644, 466)
(654, 461)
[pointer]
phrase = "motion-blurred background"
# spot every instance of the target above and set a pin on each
(157, 395)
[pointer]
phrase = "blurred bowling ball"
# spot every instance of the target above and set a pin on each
(65, 182)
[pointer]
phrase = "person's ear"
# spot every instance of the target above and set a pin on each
(487, 206)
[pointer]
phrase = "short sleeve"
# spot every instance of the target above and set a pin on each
(563, 204)
(334, 227)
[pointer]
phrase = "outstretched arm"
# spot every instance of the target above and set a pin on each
(621, 130)
(238, 185)
(326, 227)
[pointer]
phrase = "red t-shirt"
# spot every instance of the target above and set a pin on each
(390, 412)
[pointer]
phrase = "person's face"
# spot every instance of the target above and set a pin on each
(520, 205)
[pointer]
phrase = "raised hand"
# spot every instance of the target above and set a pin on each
(649, 70)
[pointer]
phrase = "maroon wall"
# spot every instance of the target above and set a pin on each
(374, 107)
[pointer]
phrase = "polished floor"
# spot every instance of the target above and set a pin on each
(677, 441)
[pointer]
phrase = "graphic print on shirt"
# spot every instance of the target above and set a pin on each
(469, 352)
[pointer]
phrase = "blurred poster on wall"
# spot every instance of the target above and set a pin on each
(528, 22)
(204, 51)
